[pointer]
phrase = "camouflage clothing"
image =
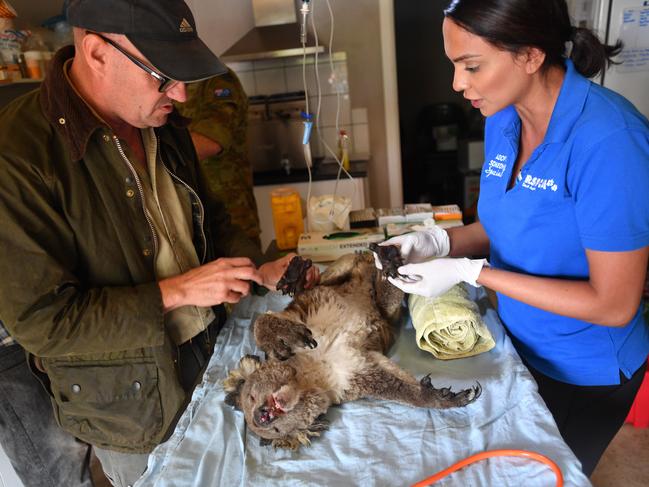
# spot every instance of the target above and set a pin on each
(218, 108)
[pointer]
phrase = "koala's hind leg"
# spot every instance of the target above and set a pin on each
(386, 380)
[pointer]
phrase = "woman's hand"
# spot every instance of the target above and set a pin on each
(437, 276)
(420, 246)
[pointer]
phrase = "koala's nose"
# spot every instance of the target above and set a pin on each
(263, 416)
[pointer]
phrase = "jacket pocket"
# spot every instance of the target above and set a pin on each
(116, 405)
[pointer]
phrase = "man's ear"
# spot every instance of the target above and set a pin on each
(95, 52)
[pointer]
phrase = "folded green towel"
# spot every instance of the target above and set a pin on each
(450, 325)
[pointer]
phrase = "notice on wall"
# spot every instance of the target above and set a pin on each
(635, 36)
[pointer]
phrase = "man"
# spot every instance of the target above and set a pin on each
(218, 108)
(115, 266)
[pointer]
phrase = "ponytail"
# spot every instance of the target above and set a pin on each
(589, 55)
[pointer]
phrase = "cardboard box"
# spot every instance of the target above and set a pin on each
(390, 215)
(326, 247)
(419, 212)
(447, 212)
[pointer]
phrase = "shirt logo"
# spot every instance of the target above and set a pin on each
(185, 26)
(222, 92)
(533, 183)
(496, 166)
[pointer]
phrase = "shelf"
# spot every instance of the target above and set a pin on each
(20, 82)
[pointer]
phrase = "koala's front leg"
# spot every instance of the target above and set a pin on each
(279, 336)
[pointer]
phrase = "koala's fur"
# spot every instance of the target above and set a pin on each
(325, 348)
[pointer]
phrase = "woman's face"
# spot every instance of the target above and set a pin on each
(490, 78)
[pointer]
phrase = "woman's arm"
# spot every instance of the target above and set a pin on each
(468, 240)
(610, 297)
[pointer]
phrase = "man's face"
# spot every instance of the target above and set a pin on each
(134, 94)
(490, 78)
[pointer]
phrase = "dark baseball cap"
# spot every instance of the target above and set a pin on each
(163, 30)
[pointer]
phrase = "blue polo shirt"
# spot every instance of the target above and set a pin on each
(585, 187)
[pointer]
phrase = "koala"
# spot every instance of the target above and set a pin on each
(325, 348)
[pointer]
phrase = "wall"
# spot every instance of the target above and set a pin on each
(358, 33)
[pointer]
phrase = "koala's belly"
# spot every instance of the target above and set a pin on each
(341, 330)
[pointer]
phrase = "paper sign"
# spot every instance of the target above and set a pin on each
(635, 36)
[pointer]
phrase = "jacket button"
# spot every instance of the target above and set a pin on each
(62, 121)
(129, 180)
(130, 193)
(146, 252)
(106, 138)
(76, 388)
(137, 386)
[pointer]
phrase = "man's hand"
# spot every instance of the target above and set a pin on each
(271, 272)
(435, 277)
(225, 280)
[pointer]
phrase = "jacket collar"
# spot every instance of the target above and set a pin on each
(71, 116)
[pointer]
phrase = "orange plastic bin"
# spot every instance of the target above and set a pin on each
(639, 413)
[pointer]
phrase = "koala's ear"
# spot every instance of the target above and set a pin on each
(237, 377)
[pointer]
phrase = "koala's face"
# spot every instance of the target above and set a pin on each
(278, 407)
(272, 402)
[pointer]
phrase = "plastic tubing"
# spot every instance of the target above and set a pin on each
(490, 454)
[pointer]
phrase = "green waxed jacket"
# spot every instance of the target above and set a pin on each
(78, 288)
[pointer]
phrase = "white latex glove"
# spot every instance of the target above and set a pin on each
(435, 277)
(420, 246)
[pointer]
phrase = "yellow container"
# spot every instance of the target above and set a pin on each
(287, 217)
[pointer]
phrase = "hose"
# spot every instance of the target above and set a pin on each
(490, 454)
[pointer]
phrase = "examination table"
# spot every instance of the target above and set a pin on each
(369, 442)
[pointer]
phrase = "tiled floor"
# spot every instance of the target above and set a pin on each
(626, 460)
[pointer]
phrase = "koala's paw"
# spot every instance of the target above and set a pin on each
(445, 398)
(280, 337)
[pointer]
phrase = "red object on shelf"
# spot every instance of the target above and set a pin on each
(639, 413)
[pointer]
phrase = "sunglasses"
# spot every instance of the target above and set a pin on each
(165, 83)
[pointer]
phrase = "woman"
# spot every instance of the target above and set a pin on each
(564, 212)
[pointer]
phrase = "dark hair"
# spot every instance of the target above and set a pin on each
(513, 25)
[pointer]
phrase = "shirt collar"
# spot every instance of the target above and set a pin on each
(66, 110)
(569, 105)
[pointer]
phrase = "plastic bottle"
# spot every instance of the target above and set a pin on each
(343, 149)
(287, 217)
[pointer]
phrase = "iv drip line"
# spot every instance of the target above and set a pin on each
(305, 8)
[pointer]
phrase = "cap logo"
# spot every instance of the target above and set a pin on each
(185, 26)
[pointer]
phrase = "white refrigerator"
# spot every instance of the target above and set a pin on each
(627, 20)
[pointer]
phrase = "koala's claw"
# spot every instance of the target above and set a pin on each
(290, 338)
(445, 395)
